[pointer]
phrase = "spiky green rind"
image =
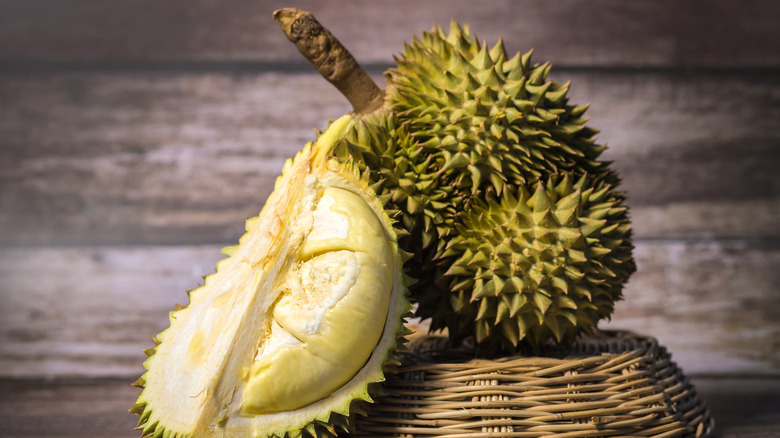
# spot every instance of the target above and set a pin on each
(534, 265)
(464, 123)
(488, 121)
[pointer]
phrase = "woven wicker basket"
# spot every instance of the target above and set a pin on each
(608, 384)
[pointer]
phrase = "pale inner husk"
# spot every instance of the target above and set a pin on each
(201, 381)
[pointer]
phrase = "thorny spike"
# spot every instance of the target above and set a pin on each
(498, 51)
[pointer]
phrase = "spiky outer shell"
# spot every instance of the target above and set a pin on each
(539, 265)
(197, 373)
(463, 123)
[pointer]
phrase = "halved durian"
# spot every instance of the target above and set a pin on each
(297, 323)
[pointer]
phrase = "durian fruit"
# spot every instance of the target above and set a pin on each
(538, 265)
(297, 326)
(460, 130)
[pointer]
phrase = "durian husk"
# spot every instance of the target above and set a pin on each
(195, 395)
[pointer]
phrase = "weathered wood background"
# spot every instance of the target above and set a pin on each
(136, 136)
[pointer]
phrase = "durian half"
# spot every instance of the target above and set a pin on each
(296, 325)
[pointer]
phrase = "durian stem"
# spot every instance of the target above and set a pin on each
(331, 59)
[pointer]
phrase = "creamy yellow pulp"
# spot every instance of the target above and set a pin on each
(331, 311)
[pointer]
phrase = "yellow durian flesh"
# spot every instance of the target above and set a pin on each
(242, 358)
(331, 309)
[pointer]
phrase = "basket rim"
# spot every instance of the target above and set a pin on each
(437, 349)
(610, 383)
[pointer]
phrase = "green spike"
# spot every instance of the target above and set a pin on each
(590, 226)
(519, 286)
(510, 331)
(498, 284)
(482, 60)
(144, 418)
(413, 205)
(523, 326)
(525, 61)
(545, 115)
(570, 316)
(560, 283)
(479, 259)
(229, 250)
(513, 68)
(553, 324)
(567, 217)
(483, 330)
(456, 32)
(539, 201)
(569, 236)
(542, 302)
(158, 432)
(557, 96)
(565, 302)
(484, 309)
(489, 78)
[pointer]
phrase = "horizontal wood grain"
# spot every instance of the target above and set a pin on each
(90, 311)
(184, 158)
(87, 311)
(137, 135)
(742, 408)
(668, 33)
(97, 408)
(84, 408)
(716, 305)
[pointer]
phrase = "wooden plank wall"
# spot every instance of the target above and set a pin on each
(136, 136)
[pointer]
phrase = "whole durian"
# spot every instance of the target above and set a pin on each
(297, 325)
(515, 227)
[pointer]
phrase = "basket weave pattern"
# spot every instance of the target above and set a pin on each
(608, 384)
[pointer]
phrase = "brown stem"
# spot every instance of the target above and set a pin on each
(330, 58)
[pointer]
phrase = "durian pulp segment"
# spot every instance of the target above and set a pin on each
(331, 311)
